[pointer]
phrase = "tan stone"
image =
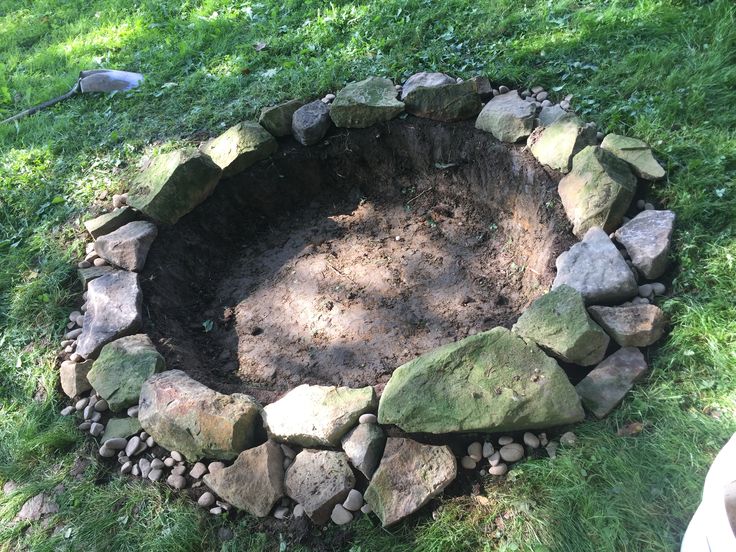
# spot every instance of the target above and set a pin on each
(631, 326)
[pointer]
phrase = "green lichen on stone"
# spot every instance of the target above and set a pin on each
(122, 367)
(239, 147)
(492, 381)
(109, 222)
(277, 119)
(449, 102)
(174, 184)
(121, 427)
(636, 153)
(556, 144)
(365, 103)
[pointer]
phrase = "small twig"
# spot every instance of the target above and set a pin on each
(420, 194)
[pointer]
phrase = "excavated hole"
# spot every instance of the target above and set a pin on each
(336, 264)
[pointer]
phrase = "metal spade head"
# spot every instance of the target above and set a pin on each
(108, 80)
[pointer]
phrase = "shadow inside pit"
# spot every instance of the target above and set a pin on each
(337, 263)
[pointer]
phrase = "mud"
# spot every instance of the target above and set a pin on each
(338, 263)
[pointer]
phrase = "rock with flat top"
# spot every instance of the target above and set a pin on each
(121, 427)
(310, 123)
(603, 388)
(425, 80)
(239, 147)
(647, 239)
(318, 480)
(409, 476)
(446, 102)
(364, 447)
(317, 415)
(364, 103)
(508, 117)
(277, 119)
(596, 269)
(636, 153)
(556, 145)
(597, 191)
(73, 377)
(254, 482)
(185, 416)
(109, 222)
(128, 246)
(631, 326)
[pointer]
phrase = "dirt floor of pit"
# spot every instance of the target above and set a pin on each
(355, 281)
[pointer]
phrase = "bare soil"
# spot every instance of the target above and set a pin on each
(336, 264)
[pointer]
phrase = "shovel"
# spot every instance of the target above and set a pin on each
(97, 80)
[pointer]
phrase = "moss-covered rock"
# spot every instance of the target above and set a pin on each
(174, 184)
(121, 427)
(556, 144)
(240, 146)
(636, 153)
(446, 102)
(365, 103)
(276, 119)
(492, 381)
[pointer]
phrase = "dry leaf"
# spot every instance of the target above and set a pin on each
(629, 430)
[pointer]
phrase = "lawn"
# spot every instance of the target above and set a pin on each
(663, 71)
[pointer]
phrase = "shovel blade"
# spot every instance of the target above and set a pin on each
(108, 80)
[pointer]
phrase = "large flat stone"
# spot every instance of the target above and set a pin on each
(556, 145)
(559, 323)
(647, 239)
(114, 309)
(598, 190)
(121, 427)
(318, 480)
(276, 119)
(425, 80)
(596, 269)
(446, 102)
(109, 222)
(364, 103)
(508, 117)
(174, 184)
(489, 382)
(605, 387)
(128, 246)
(122, 367)
(183, 415)
(310, 123)
(254, 482)
(636, 153)
(633, 325)
(409, 476)
(316, 415)
(239, 147)
(86, 275)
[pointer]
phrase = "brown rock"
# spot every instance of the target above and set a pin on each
(255, 481)
(128, 246)
(73, 377)
(631, 326)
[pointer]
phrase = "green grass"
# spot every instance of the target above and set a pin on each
(664, 71)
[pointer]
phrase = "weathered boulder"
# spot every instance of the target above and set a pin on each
(277, 119)
(596, 269)
(182, 414)
(174, 184)
(556, 144)
(508, 117)
(603, 388)
(73, 377)
(319, 479)
(446, 102)
(364, 447)
(316, 415)
(255, 481)
(491, 381)
(551, 114)
(409, 476)
(425, 80)
(86, 275)
(633, 325)
(636, 153)
(647, 239)
(559, 323)
(310, 123)
(121, 428)
(114, 309)
(598, 190)
(364, 103)
(128, 246)
(239, 147)
(109, 222)
(122, 367)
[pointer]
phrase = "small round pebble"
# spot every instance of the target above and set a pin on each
(494, 458)
(498, 469)
(198, 470)
(136, 471)
(132, 445)
(216, 511)
(645, 290)
(531, 440)
(143, 435)
(475, 451)
(81, 403)
(206, 500)
(179, 470)
(176, 456)
(340, 516)
(84, 426)
(101, 405)
(122, 459)
(551, 449)
(568, 439)
(84, 264)
(127, 467)
(512, 453)
(658, 288)
(169, 462)
(640, 301)
(505, 440)
(298, 511)
(564, 104)
(368, 418)
(640, 204)
(487, 449)
(99, 262)
(467, 462)
(96, 429)
(365, 508)
(282, 512)
(648, 207)
(543, 439)
(178, 482)
(546, 103)
(537, 89)
(503, 89)
(150, 442)
(133, 411)
(95, 416)
(542, 96)
(106, 452)
(354, 500)
(157, 463)
(66, 411)
(215, 466)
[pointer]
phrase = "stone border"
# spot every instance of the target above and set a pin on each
(166, 419)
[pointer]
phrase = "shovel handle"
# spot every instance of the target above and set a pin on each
(44, 105)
